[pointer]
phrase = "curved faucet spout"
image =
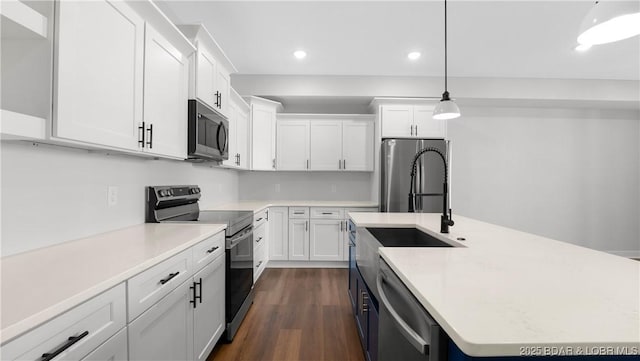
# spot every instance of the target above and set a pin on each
(445, 219)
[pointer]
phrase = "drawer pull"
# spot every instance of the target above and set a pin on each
(169, 277)
(259, 263)
(258, 240)
(72, 340)
(259, 219)
(298, 212)
(212, 249)
(327, 212)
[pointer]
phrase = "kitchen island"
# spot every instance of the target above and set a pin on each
(502, 292)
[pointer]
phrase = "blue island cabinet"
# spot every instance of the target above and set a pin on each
(365, 308)
(455, 354)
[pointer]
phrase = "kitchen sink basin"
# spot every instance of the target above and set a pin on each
(405, 237)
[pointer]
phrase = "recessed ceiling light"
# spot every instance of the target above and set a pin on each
(414, 55)
(300, 54)
(583, 47)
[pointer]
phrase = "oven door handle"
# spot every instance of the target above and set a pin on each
(236, 240)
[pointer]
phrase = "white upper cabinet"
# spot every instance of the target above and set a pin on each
(326, 144)
(99, 73)
(413, 118)
(165, 96)
(397, 121)
(262, 126)
(357, 145)
(292, 150)
(238, 132)
(332, 142)
(424, 124)
(211, 70)
(121, 79)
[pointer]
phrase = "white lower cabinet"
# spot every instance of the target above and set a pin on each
(74, 334)
(278, 233)
(326, 240)
(165, 331)
(188, 321)
(115, 349)
(298, 239)
(208, 314)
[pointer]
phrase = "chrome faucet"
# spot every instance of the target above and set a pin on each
(445, 218)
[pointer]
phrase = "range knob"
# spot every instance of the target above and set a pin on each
(170, 192)
(162, 193)
(198, 190)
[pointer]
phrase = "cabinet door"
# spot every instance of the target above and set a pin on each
(278, 233)
(98, 76)
(298, 239)
(262, 138)
(165, 330)
(397, 121)
(166, 86)
(326, 145)
(115, 349)
(233, 132)
(325, 240)
(357, 145)
(206, 73)
(292, 150)
(223, 85)
(208, 315)
(242, 137)
(425, 125)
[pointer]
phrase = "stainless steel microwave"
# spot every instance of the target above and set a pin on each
(208, 133)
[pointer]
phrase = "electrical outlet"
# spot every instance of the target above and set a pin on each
(112, 196)
(277, 187)
(333, 188)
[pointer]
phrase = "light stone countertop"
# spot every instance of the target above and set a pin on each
(257, 206)
(507, 289)
(41, 284)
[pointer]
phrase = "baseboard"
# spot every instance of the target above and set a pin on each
(308, 264)
(627, 254)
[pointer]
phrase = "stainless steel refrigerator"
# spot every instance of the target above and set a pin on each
(395, 172)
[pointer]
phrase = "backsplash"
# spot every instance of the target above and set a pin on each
(53, 194)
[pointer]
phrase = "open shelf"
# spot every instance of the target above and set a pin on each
(21, 126)
(20, 21)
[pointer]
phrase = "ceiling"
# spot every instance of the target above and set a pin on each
(511, 39)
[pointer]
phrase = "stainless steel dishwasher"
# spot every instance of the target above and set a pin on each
(406, 332)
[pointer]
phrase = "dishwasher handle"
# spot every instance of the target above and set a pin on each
(409, 334)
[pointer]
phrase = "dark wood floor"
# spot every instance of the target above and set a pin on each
(298, 314)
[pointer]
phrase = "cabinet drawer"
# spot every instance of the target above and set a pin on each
(259, 261)
(367, 209)
(151, 285)
(207, 250)
(259, 236)
(327, 213)
(90, 323)
(260, 218)
(115, 349)
(298, 212)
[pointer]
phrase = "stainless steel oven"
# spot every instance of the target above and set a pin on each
(208, 133)
(180, 204)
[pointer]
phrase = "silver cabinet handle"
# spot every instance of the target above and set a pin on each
(416, 129)
(259, 264)
(307, 163)
(306, 226)
(409, 334)
(339, 164)
(274, 163)
(344, 164)
(258, 240)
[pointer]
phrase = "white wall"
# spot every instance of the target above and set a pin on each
(53, 194)
(571, 175)
(319, 186)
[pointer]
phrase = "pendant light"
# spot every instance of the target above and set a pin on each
(447, 108)
(610, 21)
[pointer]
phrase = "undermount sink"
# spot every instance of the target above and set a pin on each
(405, 237)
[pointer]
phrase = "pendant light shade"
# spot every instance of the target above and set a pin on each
(610, 21)
(447, 108)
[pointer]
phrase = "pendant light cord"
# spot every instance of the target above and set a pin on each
(445, 46)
